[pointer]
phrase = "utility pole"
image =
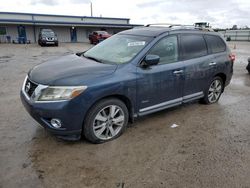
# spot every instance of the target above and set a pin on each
(91, 9)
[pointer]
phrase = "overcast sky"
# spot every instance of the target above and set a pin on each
(219, 13)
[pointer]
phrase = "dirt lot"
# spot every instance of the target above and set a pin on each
(209, 148)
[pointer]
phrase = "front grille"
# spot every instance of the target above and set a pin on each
(30, 87)
(50, 38)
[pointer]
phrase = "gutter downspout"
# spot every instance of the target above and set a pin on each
(34, 28)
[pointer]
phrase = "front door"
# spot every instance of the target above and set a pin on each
(21, 34)
(73, 35)
(160, 86)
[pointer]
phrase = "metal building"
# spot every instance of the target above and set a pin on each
(67, 28)
(236, 35)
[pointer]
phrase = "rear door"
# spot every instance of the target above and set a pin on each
(217, 47)
(160, 86)
(198, 65)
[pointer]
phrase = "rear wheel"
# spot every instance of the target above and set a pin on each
(214, 91)
(106, 121)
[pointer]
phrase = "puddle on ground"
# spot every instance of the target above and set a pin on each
(4, 61)
(5, 58)
(242, 81)
(229, 99)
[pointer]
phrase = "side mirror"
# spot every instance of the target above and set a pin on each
(150, 60)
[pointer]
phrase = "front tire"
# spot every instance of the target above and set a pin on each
(214, 91)
(105, 121)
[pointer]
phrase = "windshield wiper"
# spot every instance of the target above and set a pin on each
(92, 58)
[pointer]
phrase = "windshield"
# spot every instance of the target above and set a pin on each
(48, 33)
(118, 49)
(102, 32)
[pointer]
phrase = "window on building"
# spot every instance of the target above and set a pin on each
(193, 46)
(166, 49)
(215, 44)
(3, 31)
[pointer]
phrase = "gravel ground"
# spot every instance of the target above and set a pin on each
(209, 148)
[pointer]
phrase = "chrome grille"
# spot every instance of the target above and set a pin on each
(50, 38)
(29, 87)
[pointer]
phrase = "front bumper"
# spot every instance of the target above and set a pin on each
(54, 42)
(67, 111)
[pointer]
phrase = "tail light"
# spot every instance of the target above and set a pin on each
(232, 57)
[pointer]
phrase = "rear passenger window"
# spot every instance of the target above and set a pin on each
(166, 49)
(193, 46)
(215, 44)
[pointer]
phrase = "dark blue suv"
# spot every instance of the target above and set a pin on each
(133, 73)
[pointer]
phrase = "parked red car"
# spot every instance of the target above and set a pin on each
(98, 36)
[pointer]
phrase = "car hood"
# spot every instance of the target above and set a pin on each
(68, 71)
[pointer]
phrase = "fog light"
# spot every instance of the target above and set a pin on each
(56, 123)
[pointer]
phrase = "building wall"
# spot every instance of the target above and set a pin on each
(63, 32)
(58, 18)
(80, 20)
(60, 24)
(12, 31)
(237, 35)
(29, 33)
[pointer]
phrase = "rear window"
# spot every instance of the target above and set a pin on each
(193, 46)
(102, 32)
(215, 44)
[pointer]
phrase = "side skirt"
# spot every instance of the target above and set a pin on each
(169, 104)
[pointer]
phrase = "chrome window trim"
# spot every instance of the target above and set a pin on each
(192, 95)
(161, 104)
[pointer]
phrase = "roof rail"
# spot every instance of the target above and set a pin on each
(162, 24)
(179, 26)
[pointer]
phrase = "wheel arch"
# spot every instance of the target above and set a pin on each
(122, 98)
(223, 77)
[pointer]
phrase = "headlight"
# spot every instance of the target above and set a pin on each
(60, 93)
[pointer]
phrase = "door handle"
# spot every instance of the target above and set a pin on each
(212, 63)
(178, 72)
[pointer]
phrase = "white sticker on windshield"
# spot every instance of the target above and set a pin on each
(137, 43)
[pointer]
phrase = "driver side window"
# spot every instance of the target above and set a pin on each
(166, 49)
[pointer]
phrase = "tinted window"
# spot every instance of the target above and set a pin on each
(167, 49)
(102, 32)
(193, 46)
(215, 44)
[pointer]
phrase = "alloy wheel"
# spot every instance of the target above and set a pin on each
(214, 91)
(108, 122)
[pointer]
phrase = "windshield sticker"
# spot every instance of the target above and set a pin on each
(137, 43)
